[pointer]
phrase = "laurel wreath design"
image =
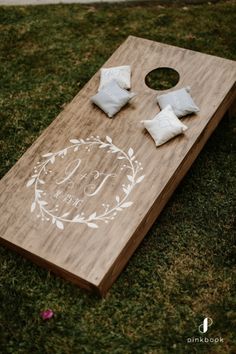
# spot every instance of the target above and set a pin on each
(131, 164)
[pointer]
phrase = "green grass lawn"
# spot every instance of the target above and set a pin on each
(184, 269)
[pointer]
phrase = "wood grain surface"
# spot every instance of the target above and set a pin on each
(52, 221)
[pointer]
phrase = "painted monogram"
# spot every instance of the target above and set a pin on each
(98, 178)
(76, 184)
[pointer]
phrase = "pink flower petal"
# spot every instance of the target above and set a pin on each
(47, 314)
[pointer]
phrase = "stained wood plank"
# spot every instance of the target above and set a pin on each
(101, 175)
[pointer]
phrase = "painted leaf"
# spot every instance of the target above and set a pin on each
(52, 160)
(130, 152)
(129, 188)
(117, 199)
(102, 146)
(42, 202)
(49, 154)
(64, 215)
(120, 157)
(30, 182)
(74, 141)
(126, 205)
(77, 218)
(41, 181)
(109, 139)
(59, 224)
(114, 149)
(92, 225)
(130, 178)
(33, 205)
(65, 152)
(92, 216)
(140, 179)
(76, 148)
(38, 192)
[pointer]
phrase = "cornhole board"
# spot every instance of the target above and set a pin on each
(84, 195)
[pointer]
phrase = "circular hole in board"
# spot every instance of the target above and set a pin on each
(162, 78)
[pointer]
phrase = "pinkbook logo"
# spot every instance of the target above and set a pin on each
(203, 328)
(207, 322)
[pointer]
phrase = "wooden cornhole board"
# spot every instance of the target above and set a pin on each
(84, 195)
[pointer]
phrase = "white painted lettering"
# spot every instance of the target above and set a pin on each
(69, 173)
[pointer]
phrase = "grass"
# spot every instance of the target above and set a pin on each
(184, 269)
